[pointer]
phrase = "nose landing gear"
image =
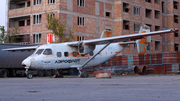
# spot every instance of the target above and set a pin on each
(29, 75)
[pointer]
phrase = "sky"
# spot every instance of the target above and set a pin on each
(3, 13)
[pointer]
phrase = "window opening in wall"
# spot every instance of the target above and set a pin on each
(80, 38)
(135, 46)
(37, 19)
(22, 39)
(37, 2)
(125, 7)
(108, 29)
(28, 22)
(157, 28)
(80, 21)
(51, 15)
(12, 6)
(80, 3)
(59, 54)
(175, 4)
(66, 54)
(136, 27)
(126, 25)
(176, 47)
(136, 10)
(36, 38)
(148, 47)
(20, 5)
(149, 26)
(17, 5)
(148, 13)
(28, 4)
(22, 23)
(108, 14)
(176, 18)
(176, 33)
(157, 14)
(156, 1)
(148, 1)
(51, 1)
(157, 45)
(163, 7)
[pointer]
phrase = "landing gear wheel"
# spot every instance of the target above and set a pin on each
(29, 76)
(48, 72)
(84, 74)
(58, 74)
(40, 73)
(3, 73)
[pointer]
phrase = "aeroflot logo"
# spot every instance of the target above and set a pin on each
(68, 61)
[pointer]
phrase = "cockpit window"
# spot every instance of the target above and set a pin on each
(47, 52)
(39, 51)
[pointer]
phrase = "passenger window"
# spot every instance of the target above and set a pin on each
(58, 54)
(74, 53)
(66, 54)
(47, 52)
(39, 51)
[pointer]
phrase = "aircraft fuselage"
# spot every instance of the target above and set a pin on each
(63, 56)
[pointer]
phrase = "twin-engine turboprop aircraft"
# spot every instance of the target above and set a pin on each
(83, 53)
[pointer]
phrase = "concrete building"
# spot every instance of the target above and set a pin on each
(91, 17)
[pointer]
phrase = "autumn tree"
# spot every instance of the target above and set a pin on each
(54, 24)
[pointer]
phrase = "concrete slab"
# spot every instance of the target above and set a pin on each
(124, 88)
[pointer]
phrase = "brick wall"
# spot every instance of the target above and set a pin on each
(89, 7)
(114, 22)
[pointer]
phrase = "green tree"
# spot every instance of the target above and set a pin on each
(58, 28)
(2, 34)
(11, 36)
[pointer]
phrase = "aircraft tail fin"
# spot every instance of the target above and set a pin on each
(105, 34)
(142, 43)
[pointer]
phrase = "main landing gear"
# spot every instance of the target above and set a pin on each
(82, 73)
(29, 75)
(80, 68)
(58, 73)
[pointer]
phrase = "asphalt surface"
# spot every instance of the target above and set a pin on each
(122, 88)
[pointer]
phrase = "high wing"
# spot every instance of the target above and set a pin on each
(21, 48)
(121, 38)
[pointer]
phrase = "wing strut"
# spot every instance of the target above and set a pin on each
(81, 67)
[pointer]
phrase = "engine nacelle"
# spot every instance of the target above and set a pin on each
(85, 48)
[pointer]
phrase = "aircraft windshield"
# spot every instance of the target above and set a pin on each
(47, 52)
(39, 51)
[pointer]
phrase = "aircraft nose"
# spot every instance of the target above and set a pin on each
(26, 63)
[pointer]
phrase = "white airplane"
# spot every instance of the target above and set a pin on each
(83, 53)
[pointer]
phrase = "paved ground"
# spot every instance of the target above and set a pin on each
(122, 88)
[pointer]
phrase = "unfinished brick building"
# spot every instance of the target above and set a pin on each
(91, 17)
